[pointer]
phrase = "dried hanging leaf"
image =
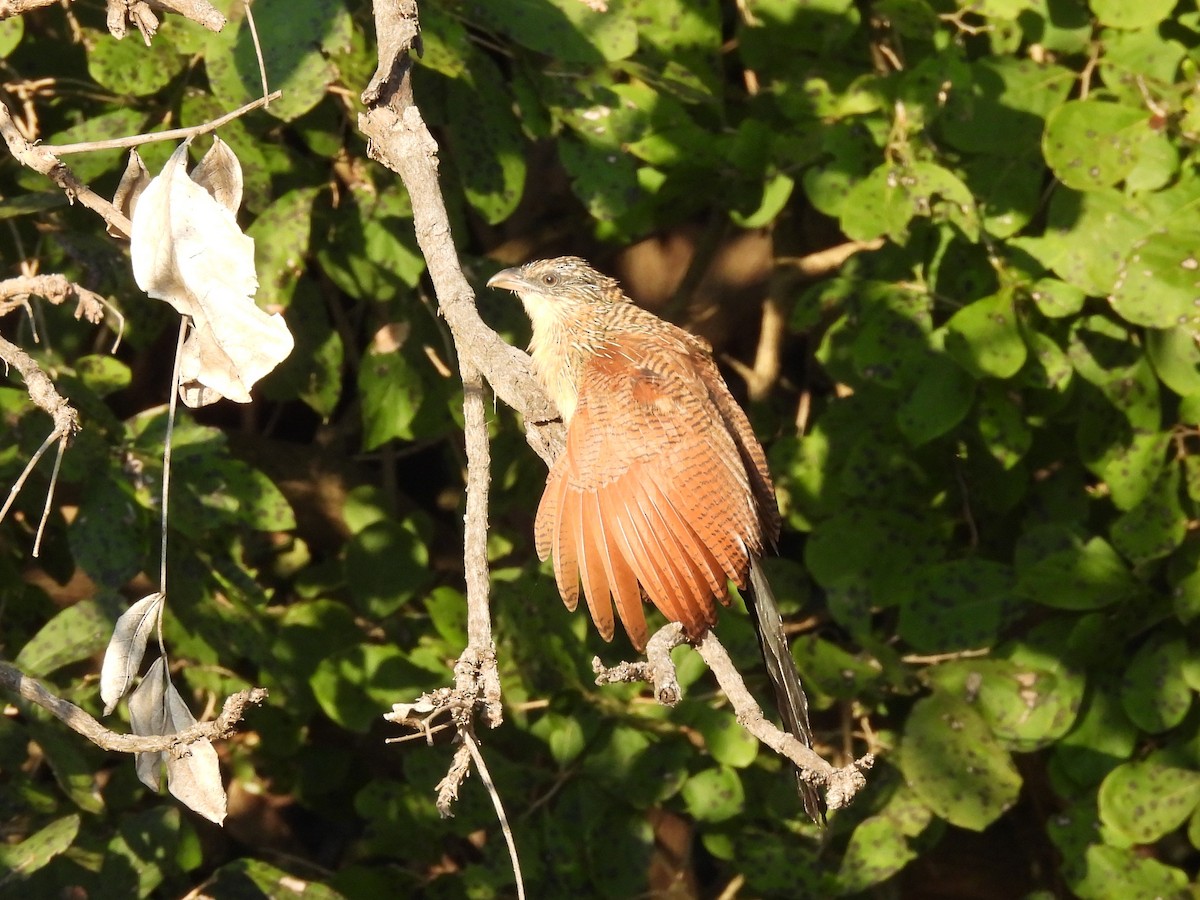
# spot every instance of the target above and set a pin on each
(220, 173)
(126, 647)
(194, 776)
(133, 183)
(193, 771)
(188, 250)
(148, 716)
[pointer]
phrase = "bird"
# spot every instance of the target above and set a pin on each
(662, 490)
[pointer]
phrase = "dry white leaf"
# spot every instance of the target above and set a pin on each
(187, 249)
(148, 716)
(193, 771)
(220, 173)
(134, 180)
(193, 777)
(126, 647)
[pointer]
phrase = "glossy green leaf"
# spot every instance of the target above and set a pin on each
(129, 66)
(1158, 283)
(941, 399)
(1085, 576)
(953, 763)
(1090, 144)
(955, 605)
(983, 338)
(1119, 14)
(1146, 800)
(1156, 526)
(392, 391)
(26, 857)
(1154, 692)
(385, 564)
(876, 852)
(305, 38)
(280, 245)
(714, 795)
(77, 632)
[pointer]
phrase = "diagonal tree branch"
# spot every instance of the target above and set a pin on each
(224, 725)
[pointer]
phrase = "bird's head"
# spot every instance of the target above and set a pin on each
(547, 283)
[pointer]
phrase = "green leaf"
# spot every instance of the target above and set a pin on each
(357, 685)
(392, 390)
(1110, 872)
(103, 374)
(1091, 144)
(955, 605)
(1156, 526)
(486, 141)
(1158, 282)
(876, 852)
(129, 66)
(983, 337)
(78, 632)
(385, 564)
(566, 30)
(952, 762)
(1176, 358)
(1026, 705)
(1146, 800)
(1154, 692)
(111, 555)
(1086, 576)
(305, 38)
(941, 399)
(714, 795)
(1122, 14)
(1002, 424)
(1001, 113)
(728, 742)
(885, 201)
(1102, 737)
(11, 32)
(280, 236)
(24, 858)
(1057, 299)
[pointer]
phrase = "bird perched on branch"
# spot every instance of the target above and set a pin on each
(662, 490)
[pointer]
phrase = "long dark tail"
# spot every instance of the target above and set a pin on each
(781, 668)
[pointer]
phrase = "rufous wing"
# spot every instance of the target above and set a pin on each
(656, 491)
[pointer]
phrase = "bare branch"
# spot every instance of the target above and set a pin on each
(398, 138)
(840, 784)
(174, 134)
(224, 725)
(40, 159)
(15, 292)
(657, 670)
(10, 8)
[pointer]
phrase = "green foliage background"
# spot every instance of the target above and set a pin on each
(990, 511)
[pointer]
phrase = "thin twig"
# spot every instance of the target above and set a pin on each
(174, 134)
(481, 767)
(14, 681)
(45, 396)
(166, 478)
(258, 54)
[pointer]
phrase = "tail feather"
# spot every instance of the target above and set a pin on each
(781, 669)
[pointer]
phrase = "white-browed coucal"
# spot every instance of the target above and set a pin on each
(663, 489)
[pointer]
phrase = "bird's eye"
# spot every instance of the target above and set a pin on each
(549, 279)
